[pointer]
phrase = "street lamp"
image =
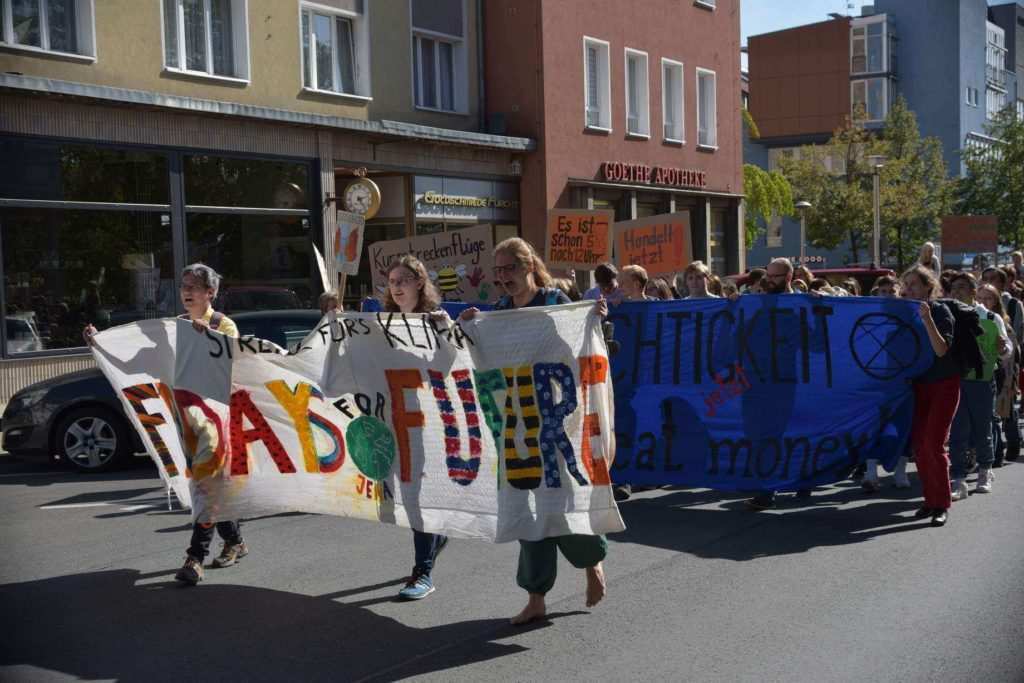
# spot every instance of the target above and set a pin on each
(875, 160)
(802, 207)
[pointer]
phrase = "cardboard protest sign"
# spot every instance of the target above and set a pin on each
(460, 262)
(578, 238)
(661, 244)
(765, 393)
(348, 242)
(499, 429)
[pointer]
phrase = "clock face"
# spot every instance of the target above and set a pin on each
(359, 197)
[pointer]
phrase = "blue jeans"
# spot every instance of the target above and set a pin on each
(426, 546)
(972, 424)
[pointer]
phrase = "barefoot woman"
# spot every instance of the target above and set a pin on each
(526, 282)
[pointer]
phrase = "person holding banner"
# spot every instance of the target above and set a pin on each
(330, 301)
(697, 276)
(199, 286)
(634, 283)
(607, 277)
(527, 283)
(410, 290)
(936, 396)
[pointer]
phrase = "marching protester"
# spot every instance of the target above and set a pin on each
(803, 274)
(527, 284)
(927, 258)
(697, 275)
(634, 283)
(936, 395)
(755, 280)
(410, 290)
(199, 286)
(1015, 313)
(973, 420)
(607, 277)
(884, 286)
(1006, 383)
(658, 288)
(330, 301)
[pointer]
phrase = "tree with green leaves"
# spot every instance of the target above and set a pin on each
(915, 189)
(994, 184)
(837, 179)
(767, 194)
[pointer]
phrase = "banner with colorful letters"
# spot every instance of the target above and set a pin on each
(499, 428)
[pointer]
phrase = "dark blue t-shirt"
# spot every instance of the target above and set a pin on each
(546, 296)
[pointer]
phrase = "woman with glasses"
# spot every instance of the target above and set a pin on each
(527, 283)
(410, 290)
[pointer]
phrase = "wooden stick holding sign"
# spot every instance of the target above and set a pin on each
(578, 238)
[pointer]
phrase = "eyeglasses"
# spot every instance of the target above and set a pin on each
(509, 269)
(401, 281)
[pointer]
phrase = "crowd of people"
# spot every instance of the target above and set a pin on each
(965, 417)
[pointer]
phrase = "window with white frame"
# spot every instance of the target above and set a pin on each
(439, 55)
(995, 101)
(707, 108)
(972, 96)
(868, 46)
(59, 26)
(672, 100)
(335, 50)
(597, 84)
(638, 119)
(207, 37)
(1020, 110)
(872, 96)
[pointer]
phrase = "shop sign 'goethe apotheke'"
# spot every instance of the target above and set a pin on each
(620, 172)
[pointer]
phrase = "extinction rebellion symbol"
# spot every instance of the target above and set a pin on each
(884, 346)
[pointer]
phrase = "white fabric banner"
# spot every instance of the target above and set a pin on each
(498, 428)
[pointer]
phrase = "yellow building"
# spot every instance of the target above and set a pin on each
(137, 136)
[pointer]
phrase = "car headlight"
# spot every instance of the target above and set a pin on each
(25, 399)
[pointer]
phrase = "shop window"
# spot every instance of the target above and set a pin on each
(66, 268)
(597, 85)
(80, 173)
(672, 100)
(59, 26)
(707, 109)
(206, 37)
(429, 228)
(257, 183)
(439, 59)
(335, 58)
(637, 100)
(264, 260)
(870, 96)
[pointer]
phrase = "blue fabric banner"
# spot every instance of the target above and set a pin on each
(770, 392)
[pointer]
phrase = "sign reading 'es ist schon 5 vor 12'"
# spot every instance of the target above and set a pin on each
(578, 238)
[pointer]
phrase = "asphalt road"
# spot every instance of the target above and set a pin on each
(841, 587)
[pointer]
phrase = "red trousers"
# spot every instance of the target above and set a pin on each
(935, 405)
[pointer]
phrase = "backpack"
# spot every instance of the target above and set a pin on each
(965, 351)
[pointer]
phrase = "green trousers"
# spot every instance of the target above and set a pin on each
(538, 560)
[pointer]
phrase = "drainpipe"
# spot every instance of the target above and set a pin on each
(480, 93)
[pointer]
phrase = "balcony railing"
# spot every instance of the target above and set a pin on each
(995, 76)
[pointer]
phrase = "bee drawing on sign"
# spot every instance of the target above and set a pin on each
(447, 279)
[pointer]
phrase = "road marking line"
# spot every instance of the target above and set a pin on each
(134, 508)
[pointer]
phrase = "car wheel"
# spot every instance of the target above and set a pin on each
(93, 439)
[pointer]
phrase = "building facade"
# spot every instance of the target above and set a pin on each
(634, 109)
(950, 59)
(138, 137)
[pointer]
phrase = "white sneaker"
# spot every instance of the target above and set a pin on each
(899, 475)
(985, 479)
(959, 487)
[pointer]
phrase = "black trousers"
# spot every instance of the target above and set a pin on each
(202, 535)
